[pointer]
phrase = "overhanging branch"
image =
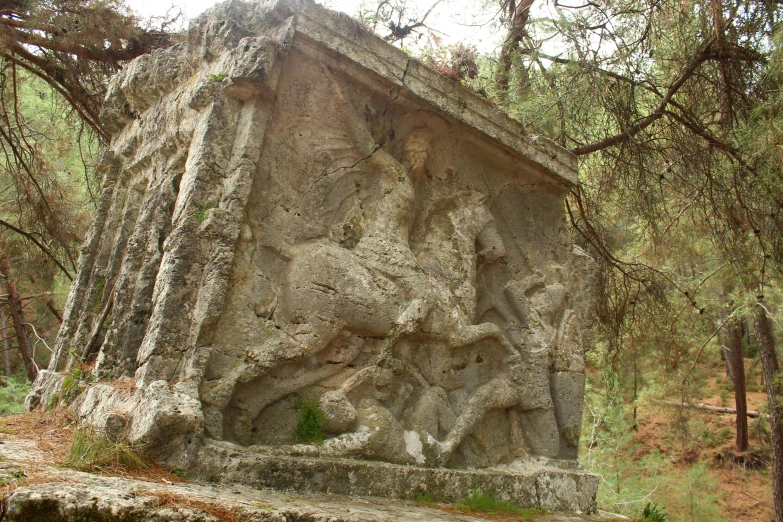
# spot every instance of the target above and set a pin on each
(40, 245)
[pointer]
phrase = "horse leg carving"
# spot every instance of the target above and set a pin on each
(406, 323)
(471, 334)
(497, 394)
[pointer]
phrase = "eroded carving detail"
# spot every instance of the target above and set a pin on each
(332, 221)
(372, 306)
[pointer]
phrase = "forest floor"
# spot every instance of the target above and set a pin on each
(685, 460)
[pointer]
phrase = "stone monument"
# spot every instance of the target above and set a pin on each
(296, 214)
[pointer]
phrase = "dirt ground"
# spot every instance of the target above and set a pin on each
(743, 480)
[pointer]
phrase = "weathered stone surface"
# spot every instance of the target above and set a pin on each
(63, 501)
(42, 492)
(568, 409)
(553, 485)
(47, 385)
(295, 212)
(124, 500)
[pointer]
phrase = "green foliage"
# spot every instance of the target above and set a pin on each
(652, 513)
(750, 348)
(217, 78)
(725, 396)
(759, 428)
(13, 391)
(12, 475)
(264, 507)
(51, 91)
(74, 383)
(631, 475)
(708, 436)
(696, 496)
(725, 434)
(426, 499)
(310, 425)
(753, 378)
(202, 210)
(531, 514)
(54, 400)
(91, 451)
(57, 213)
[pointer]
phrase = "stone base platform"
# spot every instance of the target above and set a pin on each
(552, 485)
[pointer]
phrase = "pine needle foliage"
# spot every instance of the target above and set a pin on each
(91, 451)
(13, 391)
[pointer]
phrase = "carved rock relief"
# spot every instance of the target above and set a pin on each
(292, 209)
(380, 271)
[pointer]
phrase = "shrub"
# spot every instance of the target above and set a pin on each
(12, 393)
(310, 425)
(652, 513)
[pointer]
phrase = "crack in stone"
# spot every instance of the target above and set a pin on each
(376, 146)
(375, 149)
(397, 93)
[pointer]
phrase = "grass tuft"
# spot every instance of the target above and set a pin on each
(91, 451)
(481, 502)
(202, 210)
(74, 384)
(426, 499)
(486, 503)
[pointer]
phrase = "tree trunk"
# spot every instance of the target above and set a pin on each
(17, 317)
(731, 343)
(769, 362)
(6, 347)
(518, 14)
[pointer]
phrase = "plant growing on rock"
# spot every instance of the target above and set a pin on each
(91, 451)
(310, 425)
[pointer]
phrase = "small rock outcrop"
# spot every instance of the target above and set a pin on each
(300, 223)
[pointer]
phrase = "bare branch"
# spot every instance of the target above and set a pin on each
(40, 245)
